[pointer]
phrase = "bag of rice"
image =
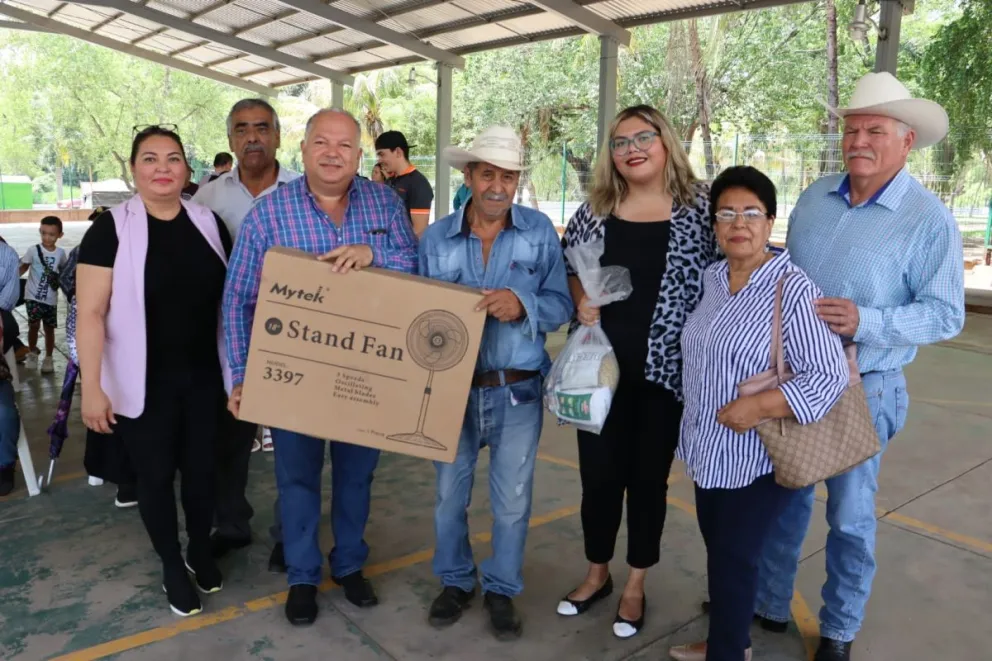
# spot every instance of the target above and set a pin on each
(584, 376)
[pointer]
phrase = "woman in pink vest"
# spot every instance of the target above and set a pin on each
(148, 286)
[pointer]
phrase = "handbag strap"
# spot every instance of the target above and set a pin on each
(777, 353)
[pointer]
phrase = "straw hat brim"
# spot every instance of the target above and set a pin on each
(458, 158)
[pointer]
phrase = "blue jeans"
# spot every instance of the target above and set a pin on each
(10, 424)
(508, 420)
(850, 552)
(299, 463)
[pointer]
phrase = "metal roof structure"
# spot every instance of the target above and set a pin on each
(262, 45)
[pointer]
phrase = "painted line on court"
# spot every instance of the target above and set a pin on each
(807, 622)
(210, 619)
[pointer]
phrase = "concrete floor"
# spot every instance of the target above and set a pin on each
(78, 579)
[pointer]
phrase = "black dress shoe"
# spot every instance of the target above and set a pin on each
(449, 606)
(357, 589)
(277, 561)
(221, 546)
(301, 605)
(774, 626)
(503, 616)
(570, 607)
(832, 650)
(624, 628)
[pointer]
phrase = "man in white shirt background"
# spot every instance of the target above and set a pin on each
(254, 137)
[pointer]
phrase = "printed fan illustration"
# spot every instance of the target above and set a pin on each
(436, 341)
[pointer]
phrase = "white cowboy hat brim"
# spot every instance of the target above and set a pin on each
(459, 158)
(927, 119)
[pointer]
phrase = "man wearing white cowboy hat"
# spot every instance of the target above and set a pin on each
(512, 254)
(887, 255)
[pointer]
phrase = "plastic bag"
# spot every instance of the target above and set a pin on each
(579, 389)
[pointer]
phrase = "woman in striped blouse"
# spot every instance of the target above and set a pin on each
(726, 340)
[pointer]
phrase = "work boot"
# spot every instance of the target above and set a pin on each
(301, 605)
(357, 589)
(833, 650)
(503, 616)
(449, 606)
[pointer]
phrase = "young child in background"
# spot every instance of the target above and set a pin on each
(43, 263)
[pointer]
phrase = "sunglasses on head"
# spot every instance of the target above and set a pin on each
(142, 128)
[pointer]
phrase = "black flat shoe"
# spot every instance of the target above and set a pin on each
(301, 605)
(623, 628)
(205, 574)
(774, 626)
(571, 607)
(832, 650)
(357, 589)
(277, 561)
(183, 600)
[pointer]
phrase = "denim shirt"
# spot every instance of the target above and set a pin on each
(525, 258)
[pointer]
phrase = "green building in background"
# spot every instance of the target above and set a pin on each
(15, 192)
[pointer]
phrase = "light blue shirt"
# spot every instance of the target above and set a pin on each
(525, 258)
(227, 197)
(898, 256)
(10, 285)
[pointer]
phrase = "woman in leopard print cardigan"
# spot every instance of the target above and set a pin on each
(653, 215)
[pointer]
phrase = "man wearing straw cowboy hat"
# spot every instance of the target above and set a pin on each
(512, 254)
(887, 255)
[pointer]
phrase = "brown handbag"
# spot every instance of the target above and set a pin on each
(806, 454)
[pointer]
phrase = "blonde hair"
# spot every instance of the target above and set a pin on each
(609, 188)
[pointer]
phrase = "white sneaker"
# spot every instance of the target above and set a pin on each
(48, 365)
(95, 481)
(267, 440)
(31, 361)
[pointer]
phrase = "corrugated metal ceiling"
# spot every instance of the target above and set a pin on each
(306, 39)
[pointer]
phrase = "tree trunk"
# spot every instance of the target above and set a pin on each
(582, 164)
(831, 156)
(58, 180)
(702, 98)
(125, 172)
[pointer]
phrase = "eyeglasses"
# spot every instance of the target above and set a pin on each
(748, 215)
(141, 128)
(643, 140)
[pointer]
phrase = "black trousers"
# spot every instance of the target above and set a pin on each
(735, 523)
(233, 511)
(632, 455)
(176, 431)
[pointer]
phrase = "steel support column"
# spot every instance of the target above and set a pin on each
(889, 24)
(337, 94)
(607, 87)
(442, 177)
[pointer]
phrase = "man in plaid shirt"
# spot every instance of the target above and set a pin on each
(353, 223)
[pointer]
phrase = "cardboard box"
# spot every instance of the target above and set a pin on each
(374, 357)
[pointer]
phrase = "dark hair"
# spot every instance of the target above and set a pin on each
(748, 178)
(151, 132)
(222, 159)
(251, 104)
(54, 221)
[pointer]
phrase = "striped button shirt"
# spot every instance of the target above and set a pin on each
(290, 217)
(898, 256)
(728, 339)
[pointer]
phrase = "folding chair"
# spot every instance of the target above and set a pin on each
(23, 449)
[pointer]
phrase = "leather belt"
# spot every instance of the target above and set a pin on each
(498, 378)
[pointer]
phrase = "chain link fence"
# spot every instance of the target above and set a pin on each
(793, 162)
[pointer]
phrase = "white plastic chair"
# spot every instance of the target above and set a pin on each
(23, 449)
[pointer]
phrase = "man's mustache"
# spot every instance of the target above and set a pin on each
(860, 154)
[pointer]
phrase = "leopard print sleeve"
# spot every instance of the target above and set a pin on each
(583, 227)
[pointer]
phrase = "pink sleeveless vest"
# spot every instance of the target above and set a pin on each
(125, 348)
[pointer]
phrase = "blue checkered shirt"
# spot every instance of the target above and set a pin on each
(898, 256)
(290, 217)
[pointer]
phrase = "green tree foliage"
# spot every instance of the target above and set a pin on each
(956, 71)
(67, 101)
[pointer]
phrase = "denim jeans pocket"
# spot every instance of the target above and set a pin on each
(525, 392)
